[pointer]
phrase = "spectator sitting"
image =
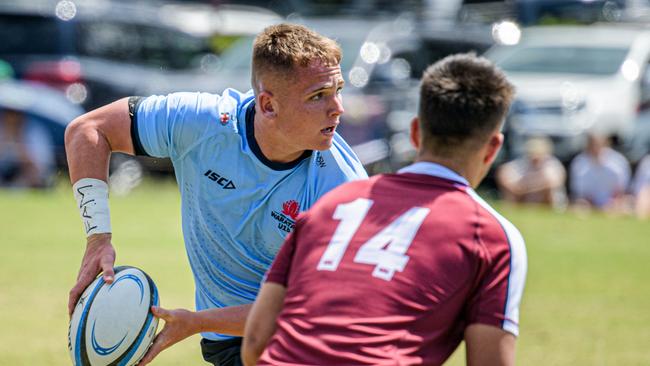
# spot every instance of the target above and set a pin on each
(599, 175)
(537, 177)
(641, 188)
(26, 158)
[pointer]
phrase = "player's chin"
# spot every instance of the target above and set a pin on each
(324, 144)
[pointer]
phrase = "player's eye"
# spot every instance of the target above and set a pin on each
(316, 97)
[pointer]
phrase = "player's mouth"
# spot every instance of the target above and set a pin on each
(328, 131)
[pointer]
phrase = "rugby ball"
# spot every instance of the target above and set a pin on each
(112, 324)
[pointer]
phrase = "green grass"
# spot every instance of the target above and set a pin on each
(587, 299)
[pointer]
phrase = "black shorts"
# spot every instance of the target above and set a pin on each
(222, 353)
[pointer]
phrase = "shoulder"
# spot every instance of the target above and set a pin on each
(554, 163)
(644, 165)
(617, 158)
(231, 101)
(580, 158)
(580, 161)
(177, 100)
(500, 228)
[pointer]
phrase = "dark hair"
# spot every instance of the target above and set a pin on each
(280, 48)
(463, 98)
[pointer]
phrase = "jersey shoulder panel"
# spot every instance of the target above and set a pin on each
(169, 126)
(514, 249)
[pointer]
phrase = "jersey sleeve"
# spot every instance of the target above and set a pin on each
(279, 270)
(167, 126)
(497, 298)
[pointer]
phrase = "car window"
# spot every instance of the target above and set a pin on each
(141, 44)
(571, 60)
(25, 34)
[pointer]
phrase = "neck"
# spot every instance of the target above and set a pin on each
(273, 143)
(465, 166)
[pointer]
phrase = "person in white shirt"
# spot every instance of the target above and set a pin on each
(599, 175)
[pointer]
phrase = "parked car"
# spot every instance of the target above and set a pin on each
(99, 51)
(572, 80)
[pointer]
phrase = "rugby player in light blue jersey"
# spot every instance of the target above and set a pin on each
(246, 164)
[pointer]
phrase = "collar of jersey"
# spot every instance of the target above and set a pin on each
(435, 170)
(250, 136)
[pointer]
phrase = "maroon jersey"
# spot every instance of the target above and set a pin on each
(390, 271)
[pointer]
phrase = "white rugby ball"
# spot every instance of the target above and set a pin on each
(112, 324)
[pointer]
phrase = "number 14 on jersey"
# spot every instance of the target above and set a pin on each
(386, 250)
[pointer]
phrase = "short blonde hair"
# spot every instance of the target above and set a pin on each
(283, 47)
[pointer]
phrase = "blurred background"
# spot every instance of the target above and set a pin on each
(580, 68)
(577, 142)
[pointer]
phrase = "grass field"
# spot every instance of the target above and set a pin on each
(587, 299)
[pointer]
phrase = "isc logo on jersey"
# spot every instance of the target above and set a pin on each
(112, 324)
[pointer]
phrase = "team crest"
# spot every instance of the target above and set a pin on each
(287, 218)
(225, 118)
(291, 208)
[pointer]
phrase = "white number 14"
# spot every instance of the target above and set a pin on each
(386, 250)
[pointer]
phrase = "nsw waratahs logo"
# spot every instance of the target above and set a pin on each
(287, 218)
(291, 208)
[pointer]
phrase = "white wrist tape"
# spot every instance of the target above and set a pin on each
(92, 200)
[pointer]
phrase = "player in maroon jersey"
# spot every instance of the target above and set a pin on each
(399, 269)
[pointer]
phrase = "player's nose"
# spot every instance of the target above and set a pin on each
(336, 108)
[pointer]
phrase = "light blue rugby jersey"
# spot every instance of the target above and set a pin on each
(237, 207)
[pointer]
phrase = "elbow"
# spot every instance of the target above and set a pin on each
(74, 130)
(251, 350)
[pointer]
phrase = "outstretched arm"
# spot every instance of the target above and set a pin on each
(489, 346)
(261, 321)
(181, 323)
(89, 141)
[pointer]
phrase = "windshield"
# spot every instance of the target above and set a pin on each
(569, 60)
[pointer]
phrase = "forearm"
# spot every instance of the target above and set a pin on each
(229, 320)
(489, 346)
(261, 325)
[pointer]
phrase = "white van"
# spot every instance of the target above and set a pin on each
(574, 79)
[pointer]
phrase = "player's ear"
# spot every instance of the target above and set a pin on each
(415, 133)
(267, 104)
(493, 146)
